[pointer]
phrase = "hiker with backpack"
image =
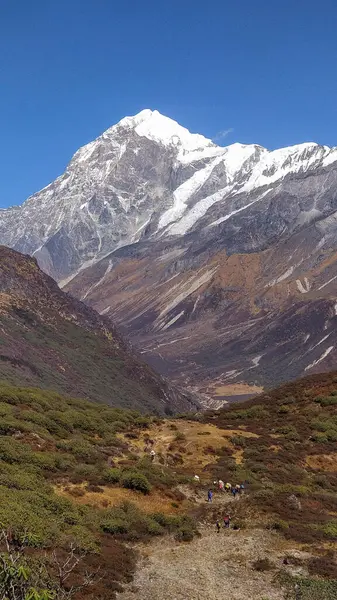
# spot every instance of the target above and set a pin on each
(227, 521)
(210, 495)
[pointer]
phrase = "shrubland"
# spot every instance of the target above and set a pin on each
(47, 442)
(75, 480)
(290, 466)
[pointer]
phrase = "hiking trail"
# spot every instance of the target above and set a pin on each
(214, 566)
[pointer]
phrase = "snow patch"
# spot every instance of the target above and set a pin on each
(173, 320)
(238, 210)
(188, 288)
(184, 192)
(195, 305)
(95, 285)
(256, 360)
(327, 283)
(304, 289)
(198, 211)
(324, 355)
(320, 342)
(287, 273)
(331, 157)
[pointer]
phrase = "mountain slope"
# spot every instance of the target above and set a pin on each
(218, 262)
(50, 339)
(208, 318)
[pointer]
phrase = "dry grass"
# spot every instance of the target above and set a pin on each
(322, 462)
(113, 496)
(274, 448)
(201, 441)
(238, 456)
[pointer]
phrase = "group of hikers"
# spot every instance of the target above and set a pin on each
(227, 487)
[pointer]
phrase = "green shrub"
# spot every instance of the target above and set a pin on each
(21, 478)
(84, 472)
(326, 400)
(112, 475)
(308, 589)
(153, 528)
(183, 526)
(134, 480)
(130, 522)
(331, 434)
(185, 534)
(286, 429)
(279, 525)
(142, 422)
(319, 437)
(254, 412)
(284, 409)
(330, 529)
(294, 436)
(115, 526)
(5, 409)
(158, 476)
(238, 440)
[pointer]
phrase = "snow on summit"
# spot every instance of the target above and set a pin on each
(147, 177)
(157, 127)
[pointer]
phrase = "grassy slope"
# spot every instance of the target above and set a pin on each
(50, 340)
(65, 465)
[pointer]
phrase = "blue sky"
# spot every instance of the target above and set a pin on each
(69, 69)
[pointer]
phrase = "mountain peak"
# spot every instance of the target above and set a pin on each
(159, 128)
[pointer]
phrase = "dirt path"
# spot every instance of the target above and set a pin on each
(212, 567)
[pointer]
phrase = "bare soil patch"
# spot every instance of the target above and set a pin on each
(212, 567)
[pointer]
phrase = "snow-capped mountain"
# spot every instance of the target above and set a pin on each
(148, 177)
(215, 260)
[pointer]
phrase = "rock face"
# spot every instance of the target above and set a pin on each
(220, 263)
(49, 339)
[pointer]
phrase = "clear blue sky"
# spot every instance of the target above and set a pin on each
(69, 69)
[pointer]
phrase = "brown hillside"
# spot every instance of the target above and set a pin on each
(51, 340)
